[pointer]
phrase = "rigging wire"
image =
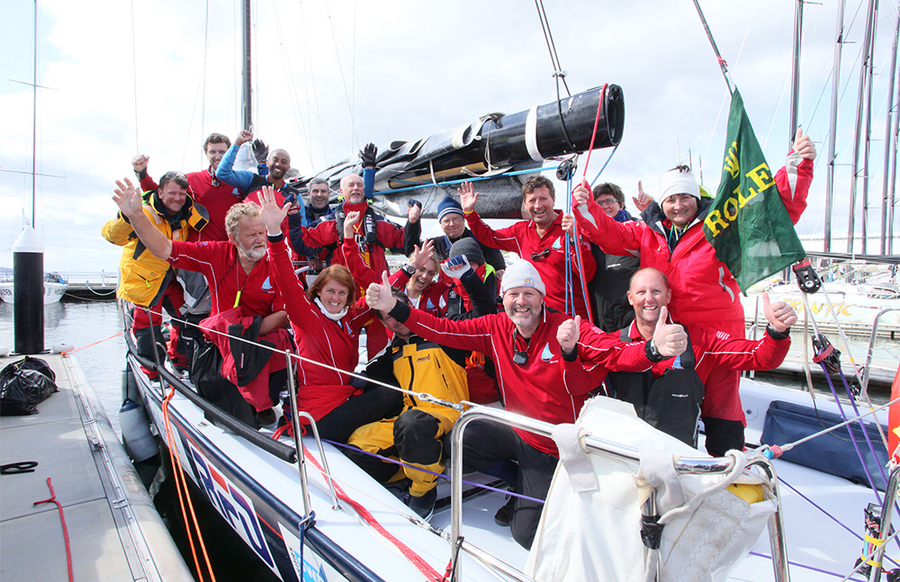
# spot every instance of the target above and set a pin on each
(137, 140)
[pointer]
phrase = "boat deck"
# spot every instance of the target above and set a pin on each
(114, 531)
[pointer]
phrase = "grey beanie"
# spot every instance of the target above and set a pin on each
(467, 246)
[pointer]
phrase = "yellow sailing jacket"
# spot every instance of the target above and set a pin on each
(425, 367)
(141, 273)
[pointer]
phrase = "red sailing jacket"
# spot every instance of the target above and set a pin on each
(318, 338)
(546, 387)
(547, 253)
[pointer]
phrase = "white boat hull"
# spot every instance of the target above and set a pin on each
(53, 292)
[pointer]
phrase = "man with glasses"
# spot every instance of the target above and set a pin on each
(540, 241)
(609, 287)
(539, 372)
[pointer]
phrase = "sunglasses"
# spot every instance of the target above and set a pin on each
(540, 255)
(520, 358)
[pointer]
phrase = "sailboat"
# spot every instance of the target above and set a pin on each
(308, 513)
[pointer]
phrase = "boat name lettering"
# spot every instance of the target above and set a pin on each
(761, 176)
(234, 506)
(816, 308)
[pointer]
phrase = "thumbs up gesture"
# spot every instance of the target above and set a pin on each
(568, 334)
(669, 339)
(780, 315)
(380, 297)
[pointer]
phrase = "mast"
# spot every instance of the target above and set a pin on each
(888, 142)
(34, 88)
(832, 133)
(868, 137)
(246, 96)
(795, 77)
(866, 62)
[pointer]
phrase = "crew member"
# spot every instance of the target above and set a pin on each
(668, 396)
(704, 292)
(244, 297)
(530, 347)
(148, 281)
(539, 240)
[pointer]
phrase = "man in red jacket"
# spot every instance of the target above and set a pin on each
(215, 195)
(540, 241)
(538, 372)
(669, 394)
(704, 292)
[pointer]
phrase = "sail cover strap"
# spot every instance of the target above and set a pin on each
(531, 135)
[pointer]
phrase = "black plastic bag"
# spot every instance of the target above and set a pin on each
(206, 377)
(24, 384)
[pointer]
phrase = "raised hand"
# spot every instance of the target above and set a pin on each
(581, 194)
(381, 297)
(350, 221)
(804, 146)
(421, 256)
(139, 163)
(780, 315)
(271, 215)
(456, 267)
(669, 339)
(568, 333)
(243, 137)
(127, 198)
(642, 200)
(467, 197)
(367, 155)
(415, 211)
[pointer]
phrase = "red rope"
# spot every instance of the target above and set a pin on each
(62, 518)
(594, 134)
(417, 560)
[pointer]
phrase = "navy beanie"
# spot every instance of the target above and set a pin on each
(448, 206)
(467, 246)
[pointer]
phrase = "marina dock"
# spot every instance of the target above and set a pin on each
(92, 286)
(114, 531)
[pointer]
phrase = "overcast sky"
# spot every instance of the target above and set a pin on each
(128, 77)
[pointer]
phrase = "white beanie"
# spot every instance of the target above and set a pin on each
(521, 274)
(677, 182)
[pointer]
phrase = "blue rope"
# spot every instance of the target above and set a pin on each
(597, 177)
(439, 475)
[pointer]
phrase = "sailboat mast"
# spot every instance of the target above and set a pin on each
(866, 63)
(246, 97)
(832, 132)
(888, 142)
(34, 88)
(795, 77)
(868, 144)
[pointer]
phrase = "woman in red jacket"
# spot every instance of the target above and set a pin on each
(326, 321)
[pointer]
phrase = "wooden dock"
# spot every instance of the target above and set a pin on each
(114, 530)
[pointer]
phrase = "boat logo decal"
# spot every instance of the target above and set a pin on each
(232, 504)
(266, 286)
(546, 355)
(307, 563)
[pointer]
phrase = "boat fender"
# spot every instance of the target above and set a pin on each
(60, 348)
(4, 351)
(136, 431)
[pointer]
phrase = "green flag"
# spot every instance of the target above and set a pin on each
(747, 224)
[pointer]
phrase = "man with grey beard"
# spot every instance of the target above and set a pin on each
(241, 283)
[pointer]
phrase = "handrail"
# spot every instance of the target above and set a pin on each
(684, 465)
(864, 381)
(280, 450)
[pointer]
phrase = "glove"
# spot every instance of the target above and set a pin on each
(260, 151)
(367, 155)
(457, 260)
